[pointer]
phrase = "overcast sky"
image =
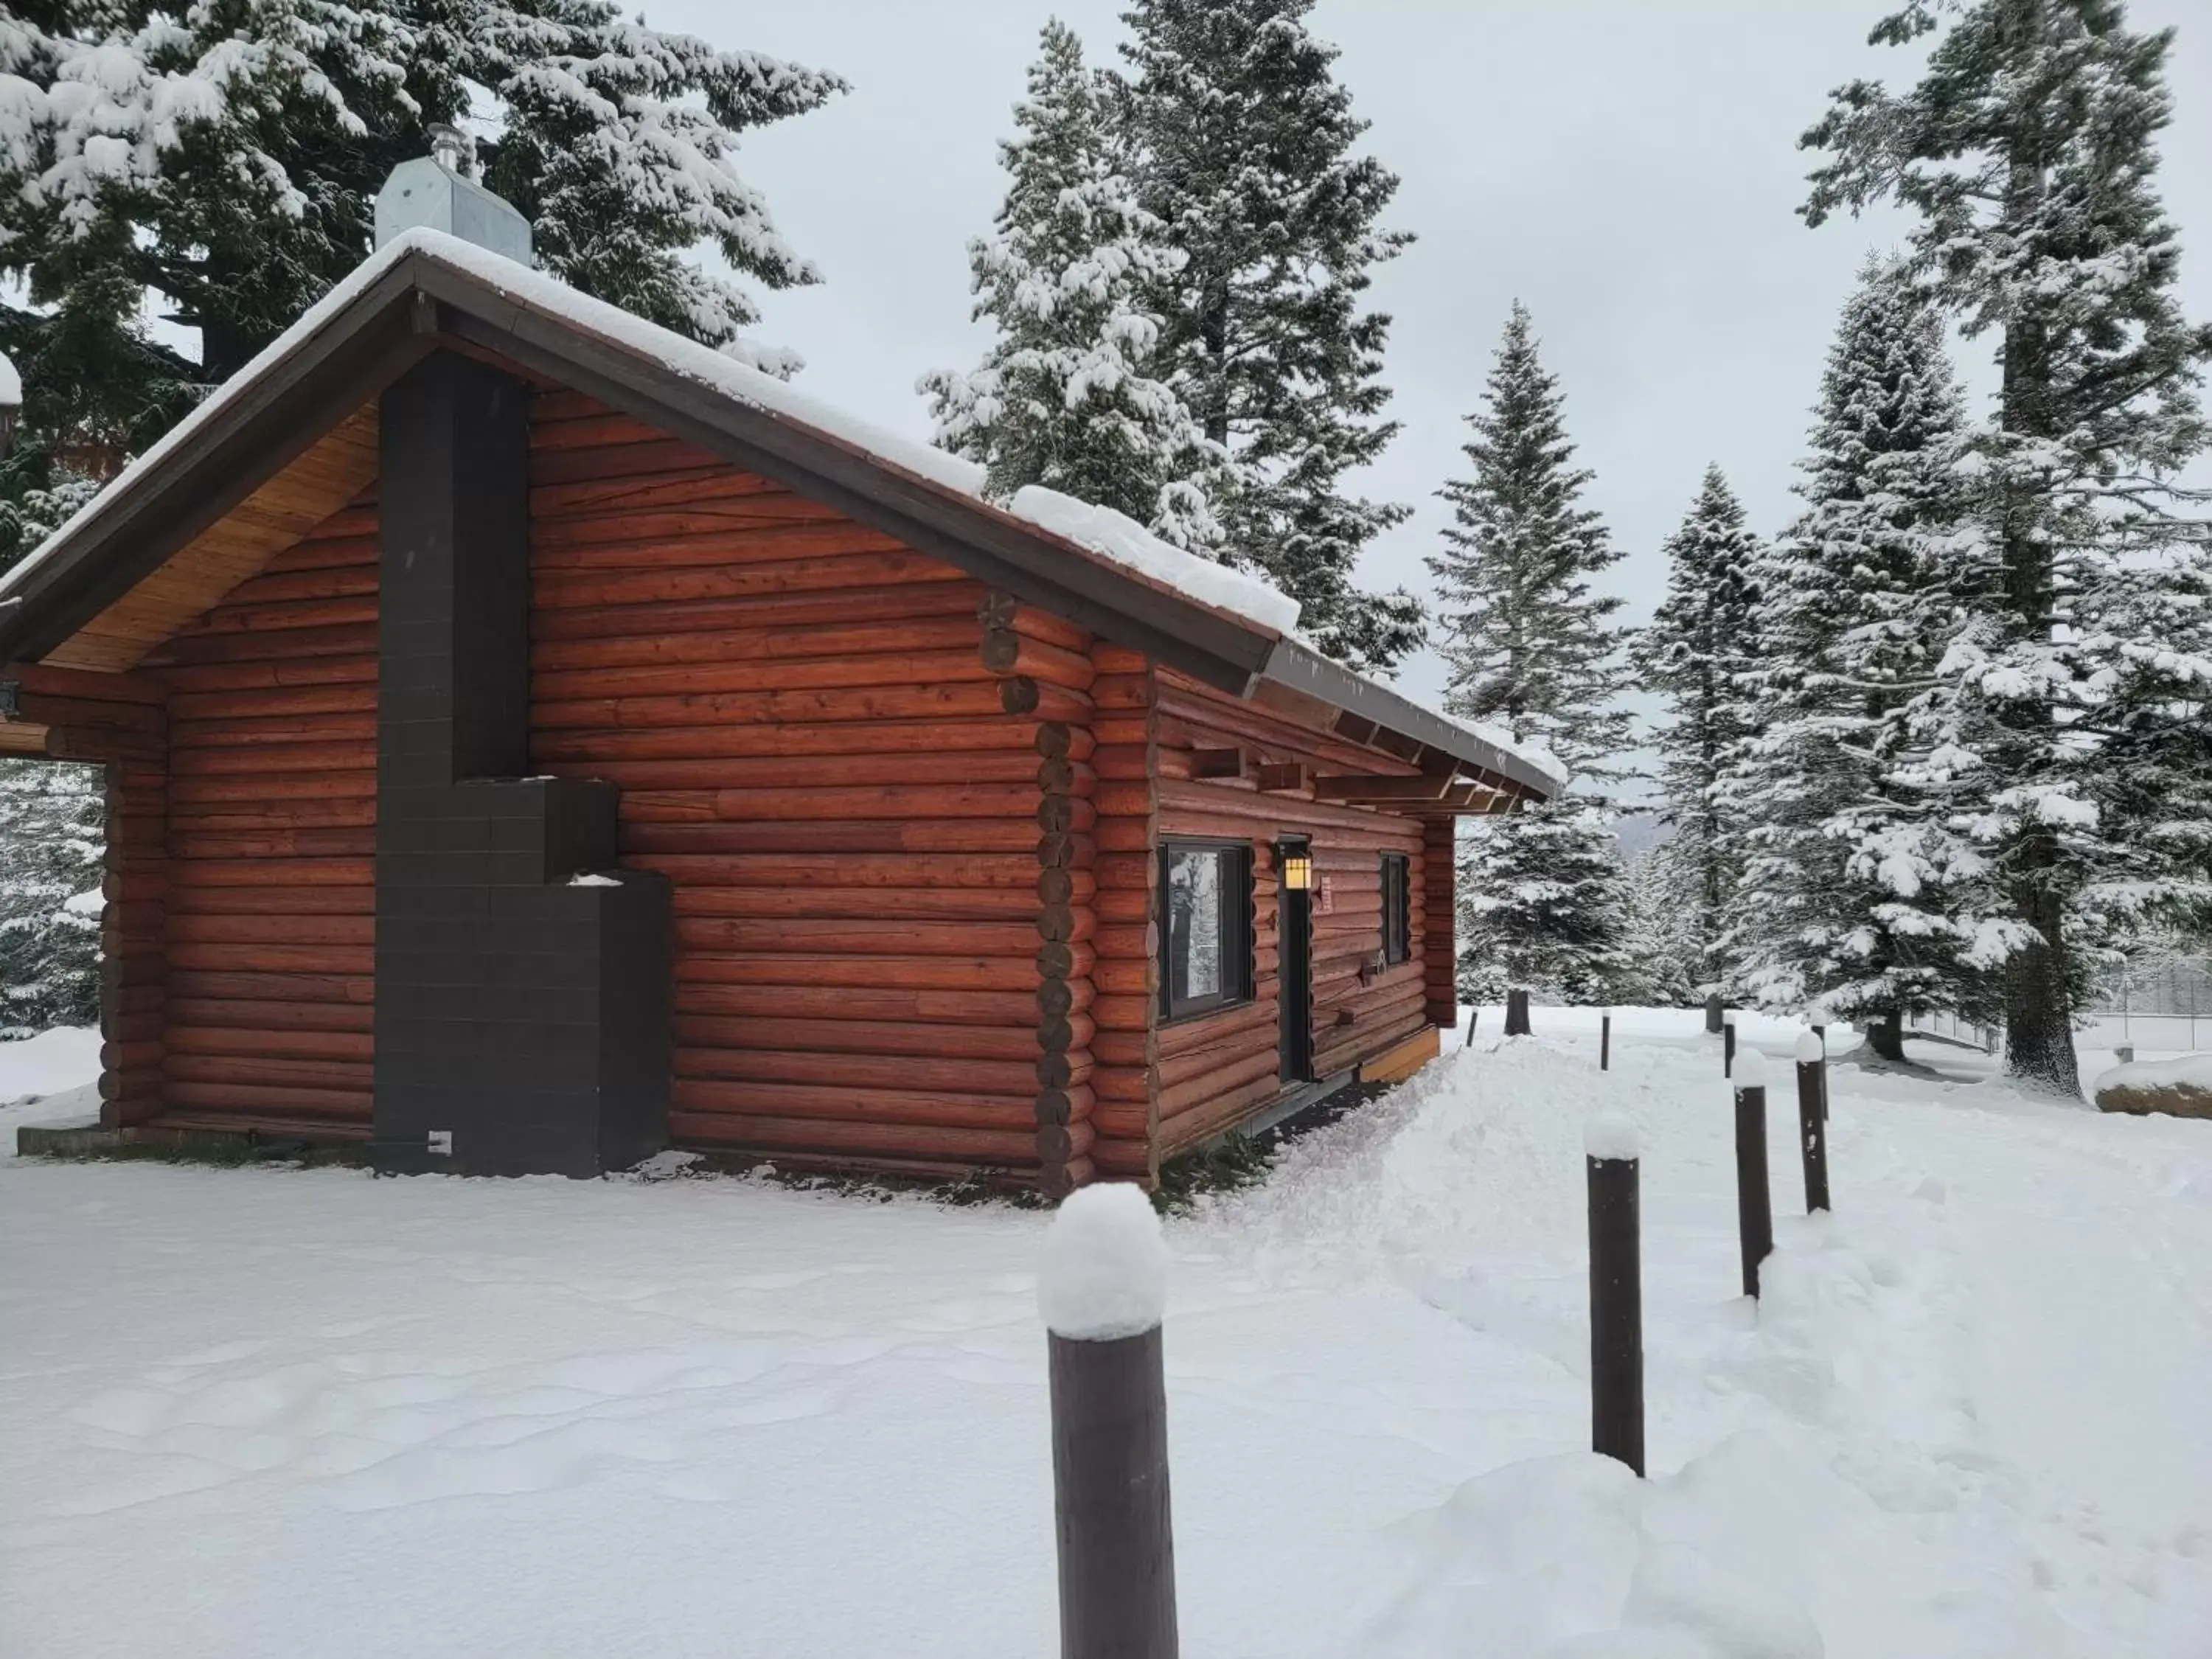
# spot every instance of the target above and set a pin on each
(1627, 167)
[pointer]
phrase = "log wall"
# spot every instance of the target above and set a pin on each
(843, 771)
(1215, 1069)
(268, 932)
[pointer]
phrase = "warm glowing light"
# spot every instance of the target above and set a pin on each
(1298, 872)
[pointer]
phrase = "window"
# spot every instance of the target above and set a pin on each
(1397, 928)
(1205, 946)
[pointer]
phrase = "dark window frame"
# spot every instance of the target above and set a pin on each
(1397, 909)
(1237, 974)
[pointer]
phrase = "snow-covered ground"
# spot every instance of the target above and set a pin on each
(311, 1414)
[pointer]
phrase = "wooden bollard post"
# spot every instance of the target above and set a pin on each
(1103, 1293)
(1472, 1015)
(1516, 1013)
(1605, 1042)
(1812, 1119)
(1754, 1208)
(1728, 1045)
(1616, 1293)
(1713, 1014)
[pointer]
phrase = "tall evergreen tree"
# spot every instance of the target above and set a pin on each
(1246, 141)
(2027, 151)
(1700, 651)
(219, 164)
(50, 904)
(1531, 650)
(1066, 396)
(1857, 895)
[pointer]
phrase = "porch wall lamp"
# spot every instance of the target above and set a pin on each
(1298, 872)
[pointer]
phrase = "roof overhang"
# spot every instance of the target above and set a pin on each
(343, 355)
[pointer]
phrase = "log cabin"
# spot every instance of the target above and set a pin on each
(533, 740)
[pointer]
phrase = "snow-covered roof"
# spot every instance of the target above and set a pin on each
(1255, 605)
(11, 384)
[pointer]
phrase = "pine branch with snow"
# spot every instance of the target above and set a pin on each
(1699, 651)
(1243, 141)
(50, 851)
(1067, 396)
(1858, 895)
(2028, 152)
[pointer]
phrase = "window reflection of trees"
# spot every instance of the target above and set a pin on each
(1194, 895)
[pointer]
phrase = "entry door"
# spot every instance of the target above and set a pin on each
(1294, 959)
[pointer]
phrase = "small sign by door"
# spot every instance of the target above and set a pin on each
(1326, 895)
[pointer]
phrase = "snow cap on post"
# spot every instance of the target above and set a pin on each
(1810, 1047)
(1610, 1135)
(1105, 1264)
(1750, 1068)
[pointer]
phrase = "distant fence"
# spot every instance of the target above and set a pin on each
(2167, 1005)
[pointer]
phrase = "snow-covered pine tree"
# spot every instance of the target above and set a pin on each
(49, 903)
(1066, 396)
(1665, 959)
(1857, 895)
(220, 164)
(2028, 151)
(1245, 140)
(1530, 649)
(1699, 649)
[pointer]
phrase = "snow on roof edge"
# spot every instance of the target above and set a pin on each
(1111, 536)
(12, 383)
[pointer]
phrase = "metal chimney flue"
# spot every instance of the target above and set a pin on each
(434, 190)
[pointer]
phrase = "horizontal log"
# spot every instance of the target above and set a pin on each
(48, 680)
(697, 537)
(877, 936)
(359, 727)
(267, 1018)
(186, 792)
(855, 1037)
(940, 1075)
(1057, 1181)
(199, 927)
(1214, 1116)
(1059, 886)
(286, 1043)
(268, 703)
(1006, 1010)
(1006, 651)
(1122, 1160)
(752, 1132)
(264, 1071)
(197, 900)
(1060, 1143)
(783, 613)
(1066, 1031)
(286, 614)
(1062, 1070)
(859, 972)
(1064, 815)
(950, 904)
(879, 835)
(1057, 999)
(1139, 941)
(1128, 976)
(1064, 924)
(318, 669)
(589, 747)
(849, 672)
(1125, 1012)
(233, 958)
(986, 766)
(884, 703)
(1069, 1105)
(998, 609)
(876, 1106)
(230, 985)
(1020, 695)
(951, 873)
(889, 800)
(557, 590)
(1257, 1019)
(1123, 693)
(210, 761)
(286, 1101)
(344, 639)
(1066, 852)
(356, 873)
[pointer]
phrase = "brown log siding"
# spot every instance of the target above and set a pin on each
(810, 746)
(1218, 1068)
(270, 832)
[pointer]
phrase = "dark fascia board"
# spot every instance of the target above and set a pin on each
(128, 532)
(1294, 666)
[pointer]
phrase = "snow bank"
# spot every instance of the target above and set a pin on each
(2183, 1072)
(1105, 1264)
(1750, 1069)
(64, 1057)
(1611, 1135)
